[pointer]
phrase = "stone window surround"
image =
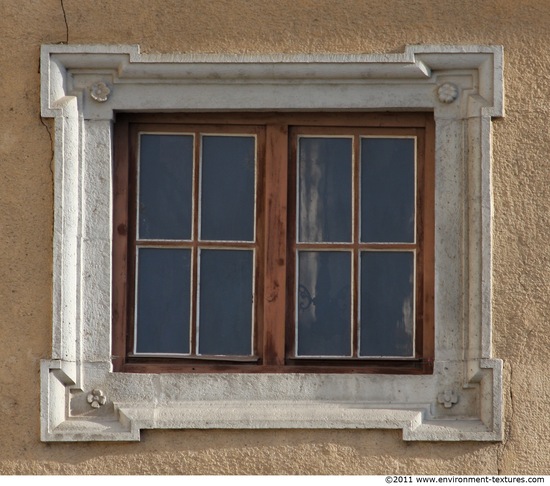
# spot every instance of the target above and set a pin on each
(82, 88)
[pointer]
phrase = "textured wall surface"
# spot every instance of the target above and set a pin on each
(521, 179)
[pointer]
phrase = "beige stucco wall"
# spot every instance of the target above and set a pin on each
(521, 178)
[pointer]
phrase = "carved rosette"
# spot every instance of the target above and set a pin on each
(448, 398)
(96, 398)
(447, 92)
(99, 91)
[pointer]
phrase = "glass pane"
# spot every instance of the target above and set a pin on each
(165, 186)
(323, 303)
(227, 188)
(225, 302)
(387, 304)
(324, 189)
(163, 300)
(387, 189)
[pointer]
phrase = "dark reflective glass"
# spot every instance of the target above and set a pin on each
(227, 188)
(323, 303)
(163, 300)
(225, 302)
(165, 186)
(387, 304)
(387, 190)
(324, 189)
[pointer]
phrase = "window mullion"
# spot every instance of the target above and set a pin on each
(275, 238)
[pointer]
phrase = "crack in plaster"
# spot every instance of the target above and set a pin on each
(52, 157)
(51, 147)
(501, 460)
(66, 23)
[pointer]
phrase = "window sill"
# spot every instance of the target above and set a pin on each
(290, 401)
(403, 367)
(274, 415)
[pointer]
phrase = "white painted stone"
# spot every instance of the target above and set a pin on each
(81, 354)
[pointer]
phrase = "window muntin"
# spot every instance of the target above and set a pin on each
(351, 348)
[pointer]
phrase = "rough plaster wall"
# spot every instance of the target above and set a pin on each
(521, 176)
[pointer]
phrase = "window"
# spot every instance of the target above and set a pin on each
(94, 388)
(206, 201)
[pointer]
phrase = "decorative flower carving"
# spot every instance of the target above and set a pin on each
(447, 92)
(96, 398)
(99, 91)
(448, 398)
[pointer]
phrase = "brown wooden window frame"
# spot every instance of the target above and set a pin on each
(275, 238)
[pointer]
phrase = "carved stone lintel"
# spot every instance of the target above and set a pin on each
(99, 91)
(448, 398)
(447, 92)
(96, 398)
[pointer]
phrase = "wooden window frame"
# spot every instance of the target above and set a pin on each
(275, 239)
